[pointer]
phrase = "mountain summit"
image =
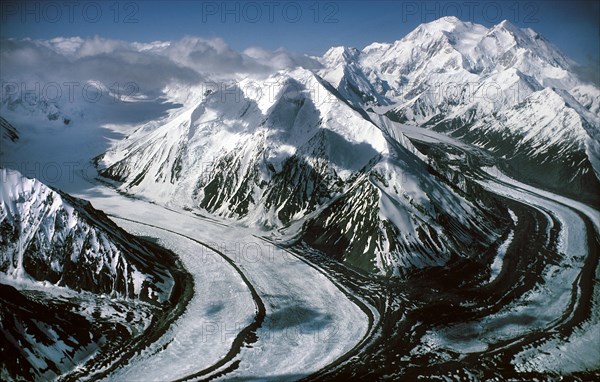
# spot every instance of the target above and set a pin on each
(450, 76)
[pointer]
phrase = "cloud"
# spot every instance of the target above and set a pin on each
(66, 66)
(152, 66)
(282, 58)
(212, 56)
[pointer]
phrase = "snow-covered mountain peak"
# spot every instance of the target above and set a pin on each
(482, 48)
(340, 54)
(447, 24)
(508, 26)
(450, 29)
(518, 33)
(450, 51)
(448, 20)
(240, 145)
(376, 46)
(450, 75)
(547, 121)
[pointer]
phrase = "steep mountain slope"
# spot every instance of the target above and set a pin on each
(447, 68)
(588, 96)
(295, 149)
(49, 236)
(394, 217)
(77, 290)
(549, 130)
(344, 72)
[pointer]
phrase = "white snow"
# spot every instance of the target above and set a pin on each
(448, 70)
(258, 124)
(309, 321)
(513, 216)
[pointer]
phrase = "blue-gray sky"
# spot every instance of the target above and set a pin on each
(302, 26)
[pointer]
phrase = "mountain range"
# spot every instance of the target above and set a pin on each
(329, 155)
(298, 150)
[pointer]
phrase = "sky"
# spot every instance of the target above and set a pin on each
(309, 27)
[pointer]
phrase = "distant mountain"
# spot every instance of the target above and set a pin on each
(297, 150)
(35, 106)
(549, 138)
(315, 158)
(447, 67)
(451, 76)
